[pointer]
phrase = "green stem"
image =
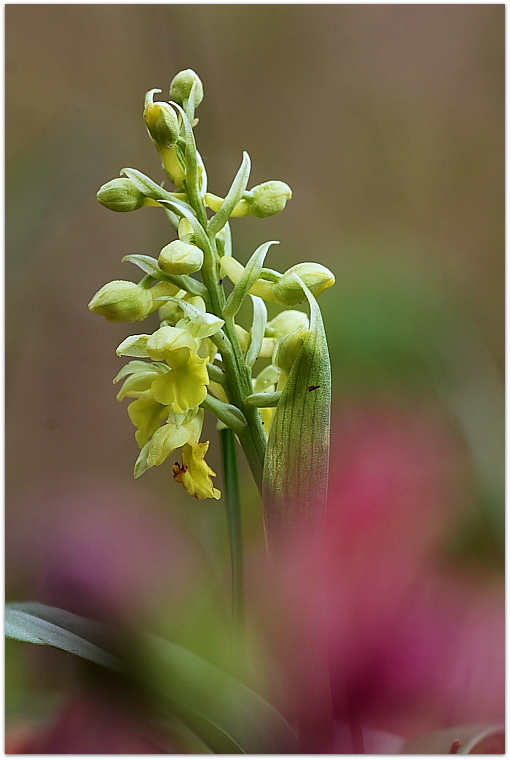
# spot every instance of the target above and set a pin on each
(253, 436)
(233, 505)
(237, 374)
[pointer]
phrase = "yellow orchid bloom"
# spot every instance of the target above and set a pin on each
(185, 386)
(138, 377)
(165, 342)
(178, 430)
(164, 441)
(195, 474)
(146, 414)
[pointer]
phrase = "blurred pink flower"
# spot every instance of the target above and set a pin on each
(104, 551)
(414, 642)
(90, 724)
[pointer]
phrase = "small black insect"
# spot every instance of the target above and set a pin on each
(313, 387)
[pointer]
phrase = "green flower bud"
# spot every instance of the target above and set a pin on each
(181, 84)
(180, 258)
(162, 123)
(288, 349)
(120, 195)
(267, 199)
(286, 322)
(122, 301)
(289, 292)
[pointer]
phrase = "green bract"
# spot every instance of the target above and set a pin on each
(296, 466)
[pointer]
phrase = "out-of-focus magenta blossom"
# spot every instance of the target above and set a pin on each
(89, 724)
(414, 642)
(107, 553)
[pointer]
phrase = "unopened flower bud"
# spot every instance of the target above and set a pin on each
(288, 290)
(286, 322)
(288, 349)
(267, 199)
(181, 84)
(180, 258)
(120, 195)
(122, 301)
(162, 123)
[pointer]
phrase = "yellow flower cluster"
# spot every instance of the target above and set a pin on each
(174, 375)
(169, 390)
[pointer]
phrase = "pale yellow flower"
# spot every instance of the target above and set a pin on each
(146, 414)
(194, 473)
(185, 386)
(178, 430)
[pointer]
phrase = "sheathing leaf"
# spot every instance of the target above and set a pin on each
(295, 479)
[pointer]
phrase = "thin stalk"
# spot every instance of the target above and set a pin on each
(238, 376)
(233, 505)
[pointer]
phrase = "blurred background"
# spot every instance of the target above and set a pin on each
(388, 123)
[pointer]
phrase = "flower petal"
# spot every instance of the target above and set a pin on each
(195, 474)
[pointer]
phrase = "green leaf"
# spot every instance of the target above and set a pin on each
(38, 624)
(245, 719)
(190, 102)
(150, 265)
(225, 714)
(295, 478)
(250, 275)
(234, 195)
